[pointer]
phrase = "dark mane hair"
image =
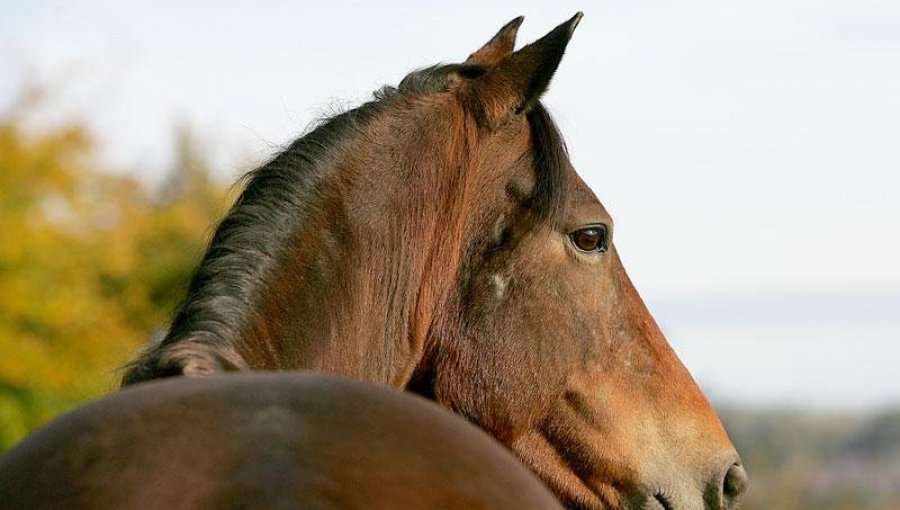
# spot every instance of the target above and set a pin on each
(551, 159)
(276, 199)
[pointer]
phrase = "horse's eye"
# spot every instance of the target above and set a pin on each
(590, 239)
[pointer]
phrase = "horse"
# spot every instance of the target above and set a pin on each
(437, 239)
(265, 441)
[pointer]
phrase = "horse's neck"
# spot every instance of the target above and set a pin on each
(327, 309)
(357, 287)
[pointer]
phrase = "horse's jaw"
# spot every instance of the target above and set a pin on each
(606, 449)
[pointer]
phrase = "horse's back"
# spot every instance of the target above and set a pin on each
(266, 442)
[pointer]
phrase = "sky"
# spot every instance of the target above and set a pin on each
(749, 151)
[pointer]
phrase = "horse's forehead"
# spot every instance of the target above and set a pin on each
(582, 198)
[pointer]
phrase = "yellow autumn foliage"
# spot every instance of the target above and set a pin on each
(91, 264)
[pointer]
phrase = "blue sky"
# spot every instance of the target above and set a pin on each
(750, 151)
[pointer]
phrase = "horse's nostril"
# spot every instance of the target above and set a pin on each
(734, 485)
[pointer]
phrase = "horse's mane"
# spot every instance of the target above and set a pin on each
(276, 199)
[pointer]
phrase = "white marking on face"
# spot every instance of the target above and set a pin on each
(500, 283)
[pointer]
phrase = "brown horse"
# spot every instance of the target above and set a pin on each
(265, 442)
(437, 239)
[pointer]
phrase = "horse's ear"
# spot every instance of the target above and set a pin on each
(499, 47)
(515, 84)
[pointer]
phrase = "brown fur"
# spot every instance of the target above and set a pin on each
(264, 442)
(428, 248)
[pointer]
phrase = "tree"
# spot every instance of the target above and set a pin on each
(91, 264)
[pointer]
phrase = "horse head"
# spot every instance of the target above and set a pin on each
(438, 239)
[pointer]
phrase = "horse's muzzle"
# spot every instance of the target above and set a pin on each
(734, 485)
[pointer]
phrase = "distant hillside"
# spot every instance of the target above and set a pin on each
(818, 461)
